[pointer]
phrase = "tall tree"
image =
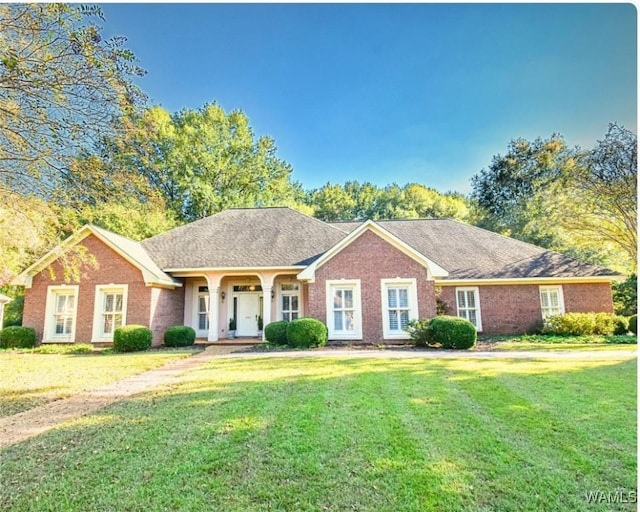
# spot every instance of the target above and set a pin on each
(61, 88)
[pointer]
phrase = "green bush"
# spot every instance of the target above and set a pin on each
(64, 348)
(451, 332)
(306, 333)
(132, 338)
(17, 337)
(276, 332)
(179, 336)
(633, 324)
(581, 324)
(621, 325)
(418, 330)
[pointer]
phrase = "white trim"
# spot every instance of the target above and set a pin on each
(97, 335)
(527, 280)
(229, 271)
(280, 293)
(412, 285)
(433, 269)
(476, 292)
(560, 292)
(353, 284)
(53, 291)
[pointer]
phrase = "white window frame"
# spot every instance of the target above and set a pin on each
(552, 288)
(53, 292)
(200, 333)
(412, 297)
(353, 284)
(289, 293)
(98, 334)
(476, 292)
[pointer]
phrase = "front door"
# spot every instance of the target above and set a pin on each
(247, 314)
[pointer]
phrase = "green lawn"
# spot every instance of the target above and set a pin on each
(31, 379)
(313, 434)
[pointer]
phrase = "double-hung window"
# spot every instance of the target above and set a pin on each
(468, 305)
(60, 313)
(290, 301)
(551, 301)
(399, 306)
(344, 311)
(203, 309)
(110, 311)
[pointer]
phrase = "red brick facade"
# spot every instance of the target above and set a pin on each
(369, 258)
(110, 268)
(515, 309)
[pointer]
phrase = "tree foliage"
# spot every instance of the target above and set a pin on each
(580, 202)
(195, 163)
(360, 201)
(61, 88)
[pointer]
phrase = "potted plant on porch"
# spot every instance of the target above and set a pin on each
(232, 328)
(260, 326)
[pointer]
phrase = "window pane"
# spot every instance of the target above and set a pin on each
(202, 305)
(60, 326)
(337, 299)
(393, 320)
(117, 320)
(403, 297)
(404, 319)
(61, 303)
(462, 303)
(553, 296)
(108, 324)
(119, 299)
(337, 321)
(294, 303)
(471, 299)
(294, 316)
(472, 317)
(348, 321)
(202, 322)
(108, 303)
(290, 287)
(392, 297)
(348, 299)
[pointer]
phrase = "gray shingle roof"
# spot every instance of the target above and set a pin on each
(264, 237)
(469, 252)
(282, 237)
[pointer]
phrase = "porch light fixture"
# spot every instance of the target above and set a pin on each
(222, 295)
(273, 294)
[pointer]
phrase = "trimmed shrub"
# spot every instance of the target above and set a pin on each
(633, 324)
(17, 337)
(276, 332)
(179, 336)
(621, 325)
(585, 324)
(307, 333)
(132, 338)
(418, 330)
(451, 332)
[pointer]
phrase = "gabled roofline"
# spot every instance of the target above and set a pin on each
(150, 277)
(497, 281)
(434, 270)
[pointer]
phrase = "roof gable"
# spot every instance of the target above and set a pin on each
(130, 250)
(434, 270)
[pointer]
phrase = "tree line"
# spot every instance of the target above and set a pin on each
(79, 142)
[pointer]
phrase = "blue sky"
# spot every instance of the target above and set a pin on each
(388, 93)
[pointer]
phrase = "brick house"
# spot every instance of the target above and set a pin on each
(365, 280)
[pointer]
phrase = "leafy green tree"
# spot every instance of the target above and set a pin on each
(625, 296)
(61, 88)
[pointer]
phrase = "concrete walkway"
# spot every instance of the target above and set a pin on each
(27, 424)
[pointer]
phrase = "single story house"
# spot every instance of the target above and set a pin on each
(365, 280)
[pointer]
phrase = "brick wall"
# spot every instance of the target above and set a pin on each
(370, 259)
(111, 268)
(166, 310)
(515, 309)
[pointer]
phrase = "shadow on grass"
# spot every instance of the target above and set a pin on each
(327, 434)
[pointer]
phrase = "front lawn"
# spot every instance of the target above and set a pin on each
(30, 379)
(316, 434)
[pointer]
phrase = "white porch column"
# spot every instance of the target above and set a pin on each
(213, 282)
(266, 280)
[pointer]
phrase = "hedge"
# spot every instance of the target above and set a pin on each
(179, 336)
(451, 332)
(17, 337)
(132, 338)
(580, 324)
(307, 333)
(276, 332)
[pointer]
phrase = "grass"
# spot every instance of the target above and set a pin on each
(30, 378)
(317, 434)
